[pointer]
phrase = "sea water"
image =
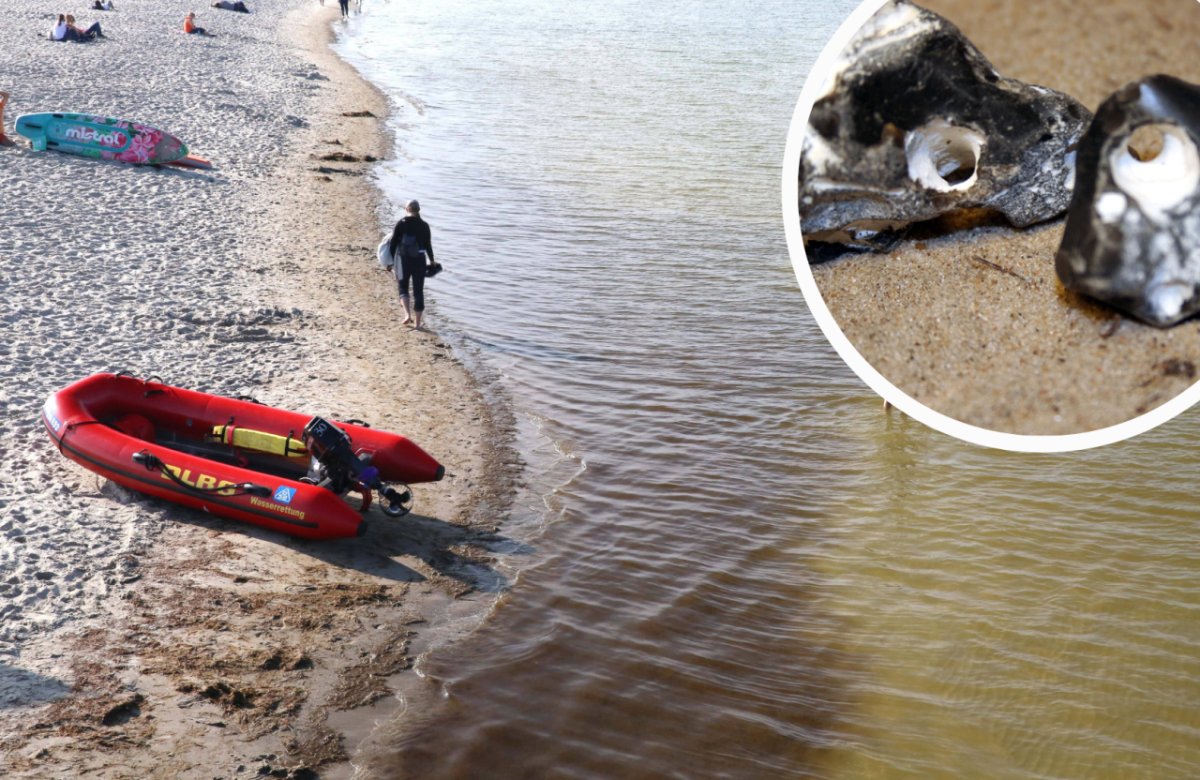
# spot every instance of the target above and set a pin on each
(729, 561)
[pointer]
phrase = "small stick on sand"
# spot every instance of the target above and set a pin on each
(1001, 269)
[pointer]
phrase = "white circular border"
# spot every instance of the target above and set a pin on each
(816, 304)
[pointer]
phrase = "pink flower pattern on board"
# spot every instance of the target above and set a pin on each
(141, 148)
(145, 143)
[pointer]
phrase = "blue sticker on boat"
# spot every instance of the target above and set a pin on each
(55, 423)
(284, 494)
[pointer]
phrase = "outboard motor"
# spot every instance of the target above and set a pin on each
(335, 467)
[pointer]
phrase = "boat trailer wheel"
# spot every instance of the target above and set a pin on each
(395, 499)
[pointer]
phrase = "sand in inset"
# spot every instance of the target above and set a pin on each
(968, 317)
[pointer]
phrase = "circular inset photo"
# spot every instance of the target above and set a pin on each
(994, 213)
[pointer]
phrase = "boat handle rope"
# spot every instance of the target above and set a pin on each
(131, 375)
(69, 428)
(151, 462)
(153, 378)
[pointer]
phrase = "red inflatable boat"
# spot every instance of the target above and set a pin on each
(235, 458)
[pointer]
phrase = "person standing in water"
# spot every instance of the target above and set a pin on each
(410, 244)
(345, 4)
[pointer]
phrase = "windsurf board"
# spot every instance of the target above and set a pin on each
(89, 135)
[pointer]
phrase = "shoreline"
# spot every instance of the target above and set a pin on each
(224, 640)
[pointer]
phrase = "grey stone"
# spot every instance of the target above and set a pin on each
(913, 122)
(1132, 237)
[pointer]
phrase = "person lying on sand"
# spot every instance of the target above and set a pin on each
(239, 6)
(73, 33)
(4, 140)
(189, 26)
(105, 6)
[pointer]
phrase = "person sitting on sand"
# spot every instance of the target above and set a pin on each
(189, 26)
(4, 140)
(239, 6)
(76, 34)
(60, 29)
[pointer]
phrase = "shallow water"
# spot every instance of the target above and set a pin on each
(736, 564)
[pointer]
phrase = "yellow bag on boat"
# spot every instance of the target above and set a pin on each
(259, 441)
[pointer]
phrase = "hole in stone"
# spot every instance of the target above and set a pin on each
(1146, 143)
(1159, 167)
(943, 157)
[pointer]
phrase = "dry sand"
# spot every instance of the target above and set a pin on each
(1016, 352)
(138, 638)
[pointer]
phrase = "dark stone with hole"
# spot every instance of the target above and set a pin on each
(913, 122)
(1132, 237)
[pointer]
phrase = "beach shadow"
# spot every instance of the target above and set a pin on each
(458, 552)
(435, 542)
(79, 162)
(22, 688)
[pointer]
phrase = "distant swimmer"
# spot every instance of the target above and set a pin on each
(411, 243)
(4, 140)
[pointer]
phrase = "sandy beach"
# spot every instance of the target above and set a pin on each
(968, 316)
(138, 638)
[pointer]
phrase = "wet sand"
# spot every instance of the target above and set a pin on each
(968, 317)
(138, 638)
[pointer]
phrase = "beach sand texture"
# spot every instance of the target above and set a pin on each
(1011, 350)
(138, 638)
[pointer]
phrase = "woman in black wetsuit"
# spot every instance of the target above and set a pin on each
(409, 239)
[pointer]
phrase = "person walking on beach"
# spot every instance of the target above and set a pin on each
(410, 243)
(345, 4)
